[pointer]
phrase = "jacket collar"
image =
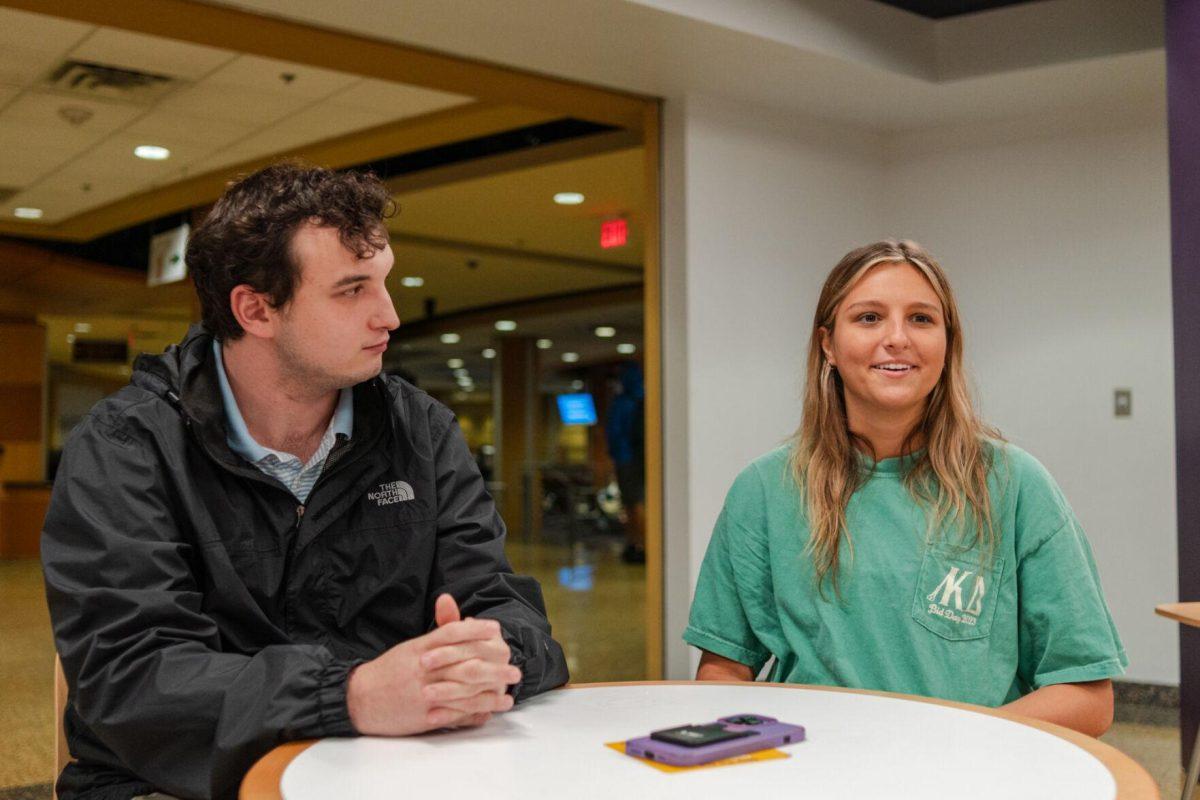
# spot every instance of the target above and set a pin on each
(186, 375)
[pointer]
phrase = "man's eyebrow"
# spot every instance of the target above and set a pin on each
(349, 279)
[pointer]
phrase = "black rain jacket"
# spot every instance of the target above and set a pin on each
(203, 616)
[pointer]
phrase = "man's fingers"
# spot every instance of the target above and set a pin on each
(445, 691)
(466, 630)
(493, 650)
(444, 717)
(481, 703)
(445, 610)
(475, 720)
(483, 675)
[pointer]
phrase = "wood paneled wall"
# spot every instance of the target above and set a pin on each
(22, 393)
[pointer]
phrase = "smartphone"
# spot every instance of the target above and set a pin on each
(689, 745)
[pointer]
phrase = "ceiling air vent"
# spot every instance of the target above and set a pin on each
(104, 82)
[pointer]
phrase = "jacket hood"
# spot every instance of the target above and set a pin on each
(167, 371)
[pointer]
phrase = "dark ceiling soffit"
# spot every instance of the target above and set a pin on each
(944, 9)
(546, 304)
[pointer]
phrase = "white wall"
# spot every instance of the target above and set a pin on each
(1057, 243)
(769, 203)
(1055, 235)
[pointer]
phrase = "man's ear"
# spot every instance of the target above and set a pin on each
(252, 311)
(826, 348)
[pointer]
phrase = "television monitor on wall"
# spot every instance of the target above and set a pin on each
(577, 409)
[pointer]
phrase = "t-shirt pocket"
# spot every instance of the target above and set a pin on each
(955, 596)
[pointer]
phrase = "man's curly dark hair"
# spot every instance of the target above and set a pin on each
(247, 237)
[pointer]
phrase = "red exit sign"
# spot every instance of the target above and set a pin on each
(613, 233)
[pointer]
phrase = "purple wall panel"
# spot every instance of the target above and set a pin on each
(1183, 110)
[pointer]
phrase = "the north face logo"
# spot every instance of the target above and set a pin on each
(951, 591)
(388, 493)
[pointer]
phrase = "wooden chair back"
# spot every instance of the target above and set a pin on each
(61, 754)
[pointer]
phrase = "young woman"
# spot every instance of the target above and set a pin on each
(896, 542)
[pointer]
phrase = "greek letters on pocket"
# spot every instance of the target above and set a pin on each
(955, 596)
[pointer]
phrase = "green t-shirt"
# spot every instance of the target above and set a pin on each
(912, 617)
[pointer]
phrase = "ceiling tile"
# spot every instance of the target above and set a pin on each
(168, 126)
(221, 160)
(232, 104)
(114, 159)
(153, 54)
(27, 151)
(50, 112)
(58, 200)
(398, 99)
(268, 75)
(30, 44)
(7, 93)
(314, 124)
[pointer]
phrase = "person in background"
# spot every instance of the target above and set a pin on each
(265, 538)
(896, 542)
(625, 434)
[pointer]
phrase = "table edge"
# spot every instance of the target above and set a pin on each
(1133, 782)
(1187, 613)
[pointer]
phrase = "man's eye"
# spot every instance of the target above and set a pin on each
(353, 291)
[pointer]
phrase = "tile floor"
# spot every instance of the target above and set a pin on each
(595, 602)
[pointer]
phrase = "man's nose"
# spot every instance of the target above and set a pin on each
(386, 316)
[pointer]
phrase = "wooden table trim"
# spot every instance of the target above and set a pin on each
(1133, 782)
(1187, 613)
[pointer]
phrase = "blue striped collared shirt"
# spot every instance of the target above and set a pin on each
(284, 467)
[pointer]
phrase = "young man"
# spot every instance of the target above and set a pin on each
(263, 538)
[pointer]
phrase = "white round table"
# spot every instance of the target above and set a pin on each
(859, 745)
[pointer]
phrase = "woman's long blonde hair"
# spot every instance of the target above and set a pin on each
(949, 477)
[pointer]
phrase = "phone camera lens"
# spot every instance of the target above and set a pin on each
(745, 720)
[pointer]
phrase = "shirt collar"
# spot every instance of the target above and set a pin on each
(239, 438)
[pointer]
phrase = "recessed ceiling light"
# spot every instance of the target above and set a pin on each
(506, 325)
(152, 152)
(461, 372)
(577, 385)
(606, 331)
(454, 363)
(450, 338)
(27, 213)
(626, 348)
(83, 327)
(544, 344)
(568, 198)
(412, 281)
(570, 358)
(488, 353)
(465, 381)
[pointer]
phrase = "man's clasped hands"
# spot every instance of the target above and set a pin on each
(454, 676)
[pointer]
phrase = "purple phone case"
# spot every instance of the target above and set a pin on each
(771, 733)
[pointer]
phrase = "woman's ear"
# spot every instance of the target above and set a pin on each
(826, 347)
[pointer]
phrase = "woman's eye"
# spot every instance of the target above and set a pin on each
(923, 319)
(870, 316)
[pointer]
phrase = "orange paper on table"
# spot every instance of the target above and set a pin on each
(757, 755)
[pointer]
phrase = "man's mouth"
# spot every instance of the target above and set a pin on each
(380, 346)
